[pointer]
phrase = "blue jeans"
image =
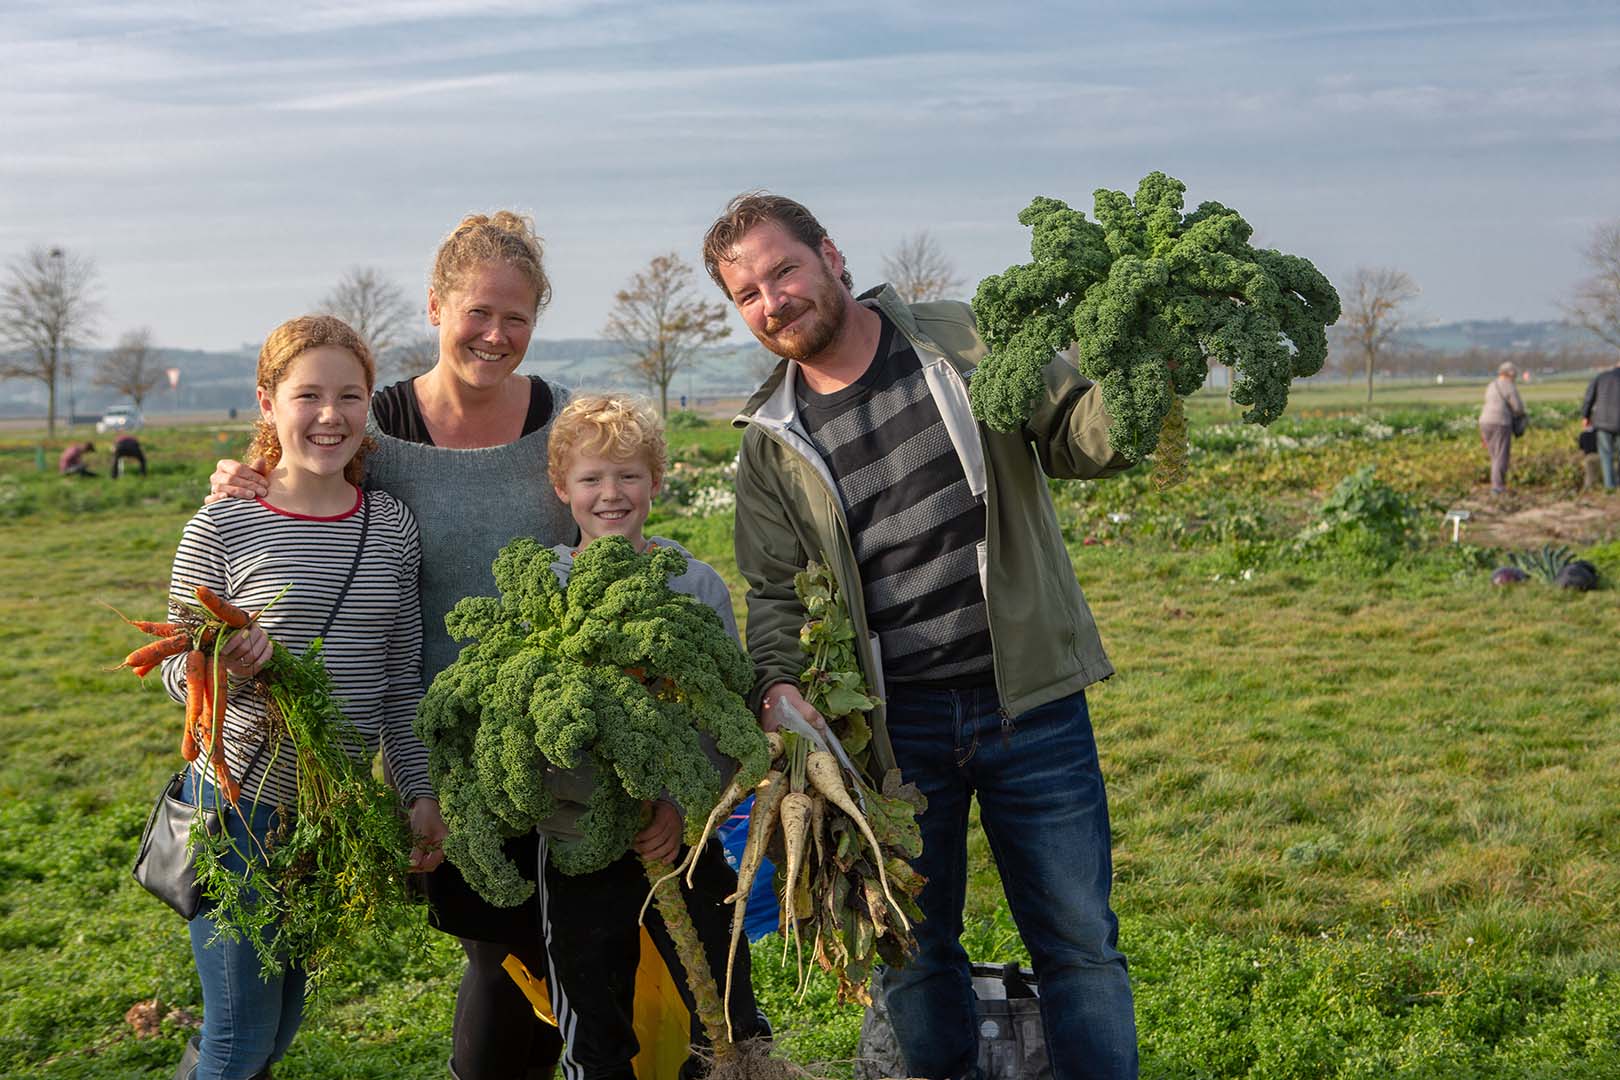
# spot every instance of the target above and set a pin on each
(249, 1018)
(1045, 813)
(1605, 444)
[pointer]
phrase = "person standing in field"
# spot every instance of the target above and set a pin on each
(859, 451)
(288, 556)
(1600, 414)
(1502, 408)
(465, 447)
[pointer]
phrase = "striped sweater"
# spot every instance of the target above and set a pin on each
(915, 524)
(247, 552)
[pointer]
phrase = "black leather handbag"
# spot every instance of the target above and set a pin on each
(164, 865)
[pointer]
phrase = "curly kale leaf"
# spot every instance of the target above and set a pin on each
(1149, 296)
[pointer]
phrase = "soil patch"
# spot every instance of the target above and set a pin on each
(1517, 521)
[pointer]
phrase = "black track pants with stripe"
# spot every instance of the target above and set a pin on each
(593, 944)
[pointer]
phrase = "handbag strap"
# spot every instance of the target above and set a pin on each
(359, 549)
(1501, 395)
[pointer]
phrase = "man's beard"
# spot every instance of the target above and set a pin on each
(827, 317)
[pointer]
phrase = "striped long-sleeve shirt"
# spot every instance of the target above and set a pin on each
(248, 552)
(915, 524)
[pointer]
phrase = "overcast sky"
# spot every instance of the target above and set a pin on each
(223, 167)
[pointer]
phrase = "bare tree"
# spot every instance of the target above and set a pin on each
(47, 308)
(663, 324)
(1372, 311)
(1596, 305)
(374, 306)
(414, 356)
(131, 369)
(920, 271)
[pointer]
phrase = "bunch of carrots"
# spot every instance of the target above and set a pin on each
(198, 631)
(334, 870)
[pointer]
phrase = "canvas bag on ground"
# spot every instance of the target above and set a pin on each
(1012, 1042)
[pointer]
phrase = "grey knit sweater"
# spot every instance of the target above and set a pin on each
(468, 505)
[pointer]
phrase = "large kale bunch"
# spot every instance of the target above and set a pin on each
(615, 671)
(1150, 296)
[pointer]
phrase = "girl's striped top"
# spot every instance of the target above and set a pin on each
(247, 552)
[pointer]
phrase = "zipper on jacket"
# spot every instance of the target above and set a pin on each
(989, 623)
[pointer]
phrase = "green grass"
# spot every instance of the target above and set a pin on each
(1418, 390)
(1365, 824)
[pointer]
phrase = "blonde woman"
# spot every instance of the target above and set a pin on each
(464, 446)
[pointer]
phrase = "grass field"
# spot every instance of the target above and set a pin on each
(1367, 817)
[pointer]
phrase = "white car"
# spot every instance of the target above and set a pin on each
(119, 418)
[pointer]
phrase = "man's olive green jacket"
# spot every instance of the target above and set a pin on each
(1042, 633)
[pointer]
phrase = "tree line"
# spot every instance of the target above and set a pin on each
(50, 308)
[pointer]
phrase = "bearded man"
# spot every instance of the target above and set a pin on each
(859, 451)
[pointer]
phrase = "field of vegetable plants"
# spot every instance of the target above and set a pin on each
(1366, 804)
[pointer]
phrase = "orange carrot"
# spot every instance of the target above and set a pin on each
(157, 650)
(205, 711)
(227, 613)
(188, 743)
(196, 678)
(218, 699)
(156, 629)
(216, 748)
(227, 784)
(142, 670)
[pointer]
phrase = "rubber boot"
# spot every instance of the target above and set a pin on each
(188, 1062)
(188, 1059)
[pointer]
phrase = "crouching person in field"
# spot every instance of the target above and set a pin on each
(607, 459)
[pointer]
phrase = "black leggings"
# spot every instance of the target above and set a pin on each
(497, 1034)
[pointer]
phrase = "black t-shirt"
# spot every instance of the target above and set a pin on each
(399, 414)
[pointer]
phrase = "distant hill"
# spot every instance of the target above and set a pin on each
(1503, 335)
(224, 380)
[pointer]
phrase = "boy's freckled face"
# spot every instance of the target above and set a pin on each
(608, 498)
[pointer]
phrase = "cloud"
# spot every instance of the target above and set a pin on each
(395, 91)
